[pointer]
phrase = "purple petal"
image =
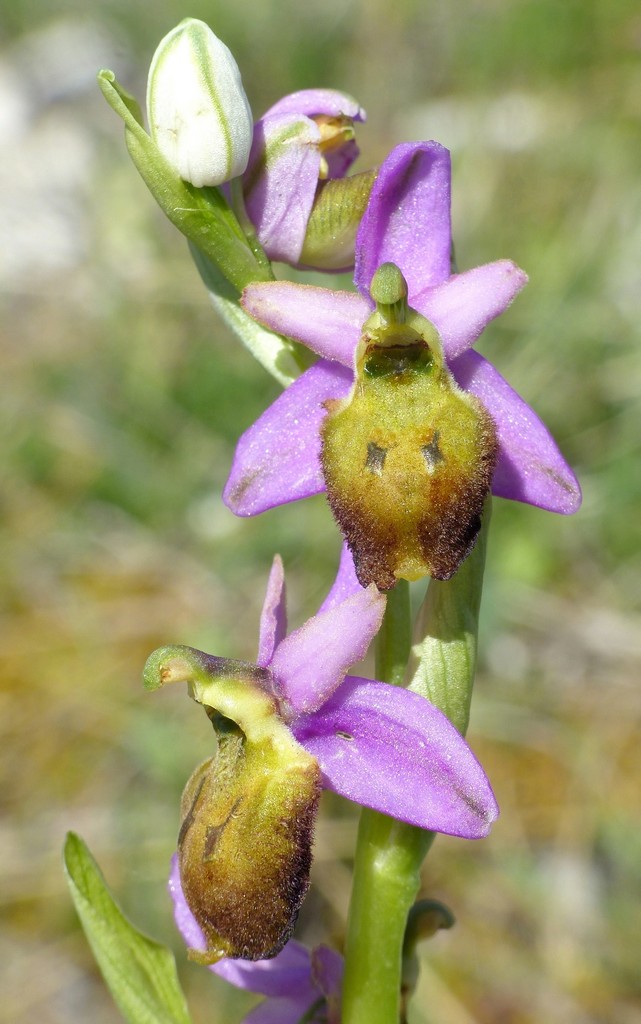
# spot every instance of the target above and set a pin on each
(327, 970)
(186, 923)
(311, 662)
(282, 1011)
(390, 749)
(463, 306)
(407, 220)
(328, 322)
(287, 974)
(341, 159)
(280, 183)
(318, 102)
(273, 619)
(278, 459)
(530, 467)
(345, 585)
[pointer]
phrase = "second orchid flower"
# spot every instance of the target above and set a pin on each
(290, 722)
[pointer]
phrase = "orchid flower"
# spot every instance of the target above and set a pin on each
(296, 982)
(289, 722)
(379, 745)
(305, 138)
(407, 223)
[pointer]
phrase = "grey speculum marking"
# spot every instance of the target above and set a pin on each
(375, 458)
(432, 453)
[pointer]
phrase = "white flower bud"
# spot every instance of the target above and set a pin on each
(199, 115)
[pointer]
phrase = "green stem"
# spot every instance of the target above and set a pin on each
(394, 639)
(389, 853)
(386, 870)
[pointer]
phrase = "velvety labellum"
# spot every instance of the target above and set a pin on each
(408, 459)
(244, 847)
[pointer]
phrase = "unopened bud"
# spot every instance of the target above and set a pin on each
(303, 213)
(425, 919)
(199, 115)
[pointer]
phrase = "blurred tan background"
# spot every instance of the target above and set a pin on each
(122, 397)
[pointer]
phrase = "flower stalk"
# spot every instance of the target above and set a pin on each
(389, 853)
(386, 867)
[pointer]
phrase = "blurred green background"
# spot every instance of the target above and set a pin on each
(122, 397)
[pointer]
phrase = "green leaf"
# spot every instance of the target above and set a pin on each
(140, 973)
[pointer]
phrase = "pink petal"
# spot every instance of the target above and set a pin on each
(530, 467)
(273, 619)
(345, 585)
(311, 662)
(390, 749)
(462, 307)
(278, 459)
(407, 221)
(328, 322)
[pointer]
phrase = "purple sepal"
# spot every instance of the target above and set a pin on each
(280, 183)
(312, 661)
(327, 970)
(324, 103)
(285, 166)
(318, 102)
(390, 749)
(530, 467)
(273, 619)
(282, 1011)
(288, 973)
(407, 221)
(278, 458)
